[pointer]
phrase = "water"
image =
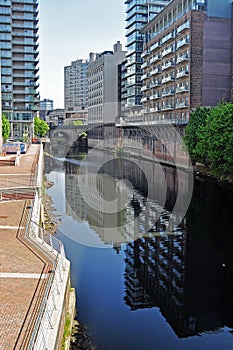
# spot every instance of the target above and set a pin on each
(159, 286)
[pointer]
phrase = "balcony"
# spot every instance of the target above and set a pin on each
(167, 65)
(145, 64)
(182, 27)
(134, 12)
(182, 105)
(144, 99)
(34, 2)
(146, 87)
(22, 118)
(145, 53)
(168, 51)
(155, 97)
(182, 73)
(167, 38)
(155, 71)
(182, 58)
(168, 93)
(168, 79)
(155, 58)
(156, 83)
(167, 107)
(155, 46)
(145, 76)
(182, 42)
(182, 89)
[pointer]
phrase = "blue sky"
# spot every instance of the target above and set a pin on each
(70, 29)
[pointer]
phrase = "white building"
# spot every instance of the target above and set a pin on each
(76, 87)
(104, 85)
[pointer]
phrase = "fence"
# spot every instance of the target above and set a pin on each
(44, 319)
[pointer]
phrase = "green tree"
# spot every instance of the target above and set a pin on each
(5, 127)
(217, 138)
(40, 127)
(193, 133)
(77, 122)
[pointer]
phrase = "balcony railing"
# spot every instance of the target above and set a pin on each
(155, 71)
(182, 27)
(155, 58)
(182, 43)
(168, 51)
(182, 73)
(182, 58)
(167, 79)
(182, 105)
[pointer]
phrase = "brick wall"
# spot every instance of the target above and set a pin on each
(217, 71)
(196, 58)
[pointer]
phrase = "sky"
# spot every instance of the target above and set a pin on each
(70, 29)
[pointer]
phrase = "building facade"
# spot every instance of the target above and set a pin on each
(187, 60)
(19, 64)
(138, 13)
(76, 87)
(104, 87)
(45, 106)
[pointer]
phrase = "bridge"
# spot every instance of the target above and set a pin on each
(65, 136)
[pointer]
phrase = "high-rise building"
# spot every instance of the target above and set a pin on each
(138, 13)
(104, 88)
(45, 106)
(76, 87)
(19, 64)
(187, 60)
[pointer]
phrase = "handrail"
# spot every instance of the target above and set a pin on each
(54, 250)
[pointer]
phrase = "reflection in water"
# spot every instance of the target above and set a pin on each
(185, 270)
(123, 199)
(189, 277)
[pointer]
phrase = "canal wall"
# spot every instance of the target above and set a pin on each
(50, 320)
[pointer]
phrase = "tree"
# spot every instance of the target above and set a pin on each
(193, 133)
(217, 138)
(77, 122)
(5, 127)
(209, 137)
(40, 127)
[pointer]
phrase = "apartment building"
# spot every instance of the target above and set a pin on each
(103, 82)
(187, 60)
(76, 88)
(45, 106)
(19, 64)
(138, 13)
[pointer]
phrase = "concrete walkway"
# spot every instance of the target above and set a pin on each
(24, 269)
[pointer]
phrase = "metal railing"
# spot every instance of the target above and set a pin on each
(53, 249)
(21, 193)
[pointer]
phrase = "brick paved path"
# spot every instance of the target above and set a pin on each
(23, 268)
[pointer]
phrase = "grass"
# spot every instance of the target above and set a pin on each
(67, 330)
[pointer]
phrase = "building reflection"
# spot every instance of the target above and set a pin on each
(139, 209)
(189, 277)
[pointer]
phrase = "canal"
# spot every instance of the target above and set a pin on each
(148, 274)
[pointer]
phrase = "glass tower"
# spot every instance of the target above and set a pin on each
(19, 64)
(138, 14)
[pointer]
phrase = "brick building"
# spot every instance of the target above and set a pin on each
(187, 60)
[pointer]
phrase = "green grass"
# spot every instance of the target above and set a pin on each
(67, 330)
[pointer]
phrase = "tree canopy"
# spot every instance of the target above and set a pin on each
(209, 137)
(5, 127)
(40, 127)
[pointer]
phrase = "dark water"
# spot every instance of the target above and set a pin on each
(149, 283)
